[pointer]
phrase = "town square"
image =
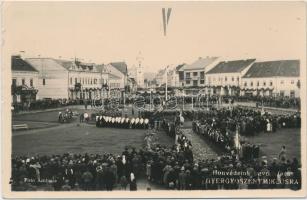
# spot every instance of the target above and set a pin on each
(122, 104)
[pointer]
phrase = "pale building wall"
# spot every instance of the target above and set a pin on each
(27, 76)
(122, 77)
(189, 77)
(278, 84)
(55, 76)
(223, 79)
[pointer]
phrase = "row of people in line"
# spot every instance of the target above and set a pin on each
(122, 122)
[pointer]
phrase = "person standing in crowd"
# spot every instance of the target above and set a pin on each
(282, 153)
(87, 178)
(133, 185)
(182, 179)
(85, 104)
(123, 182)
(109, 179)
(66, 186)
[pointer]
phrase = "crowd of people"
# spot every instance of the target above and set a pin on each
(122, 122)
(223, 126)
(269, 101)
(172, 167)
(249, 121)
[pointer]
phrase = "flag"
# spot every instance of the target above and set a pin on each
(237, 139)
(166, 17)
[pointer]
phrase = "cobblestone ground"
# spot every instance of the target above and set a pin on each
(200, 148)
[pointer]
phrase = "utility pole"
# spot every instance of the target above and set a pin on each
(166, 73)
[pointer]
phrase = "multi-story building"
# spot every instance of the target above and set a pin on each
(225, 77)
(272, 78)
(173, 76)
(194, 74)
(65, 79)
(24, 81)
(116, 74)
(161, 77)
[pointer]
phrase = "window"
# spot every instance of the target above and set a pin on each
(70, 81)
(187, 75)
(195, 73)
(44, 81)
(264, 83)
(225, 78)
(14, 82)
(238, 79)
(233, 79)
(245, 84)
(252, 83)
(292, 81)
(195, 82)
(75, 80)
(282, 93)
(271, 83)
(187, 82)
(282, 82)
(258, 83)
(95, 81)
(202, 81)
(202, 75)
(31, 82)
(83, 81)
(181, 76)
(23, 81)
(292, 92)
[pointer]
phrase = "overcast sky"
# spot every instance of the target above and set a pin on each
(105, 32)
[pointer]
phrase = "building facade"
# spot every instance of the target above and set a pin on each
(225, 78)
(272, 78)
(64, 79)
(24, 81)
(194, 75)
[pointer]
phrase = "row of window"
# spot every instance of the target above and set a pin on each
(221, 79)
(115, 85)
(281, 93)
(188, 74)
(23, 82)
(264, 83)
(86, 81)
(195, 82)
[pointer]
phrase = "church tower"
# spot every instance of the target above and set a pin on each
(140, 71)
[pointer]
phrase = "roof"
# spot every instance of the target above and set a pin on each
(101, 68)
(231, 66)
(65, 63)
(120, 66)
(285, 68)
(112, 76)
(42, 64)
(18, 64)
(201, 63)
(180, 67)
(160, 72)
(132, 80)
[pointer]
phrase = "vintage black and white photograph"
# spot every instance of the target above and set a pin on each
(154, 96)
